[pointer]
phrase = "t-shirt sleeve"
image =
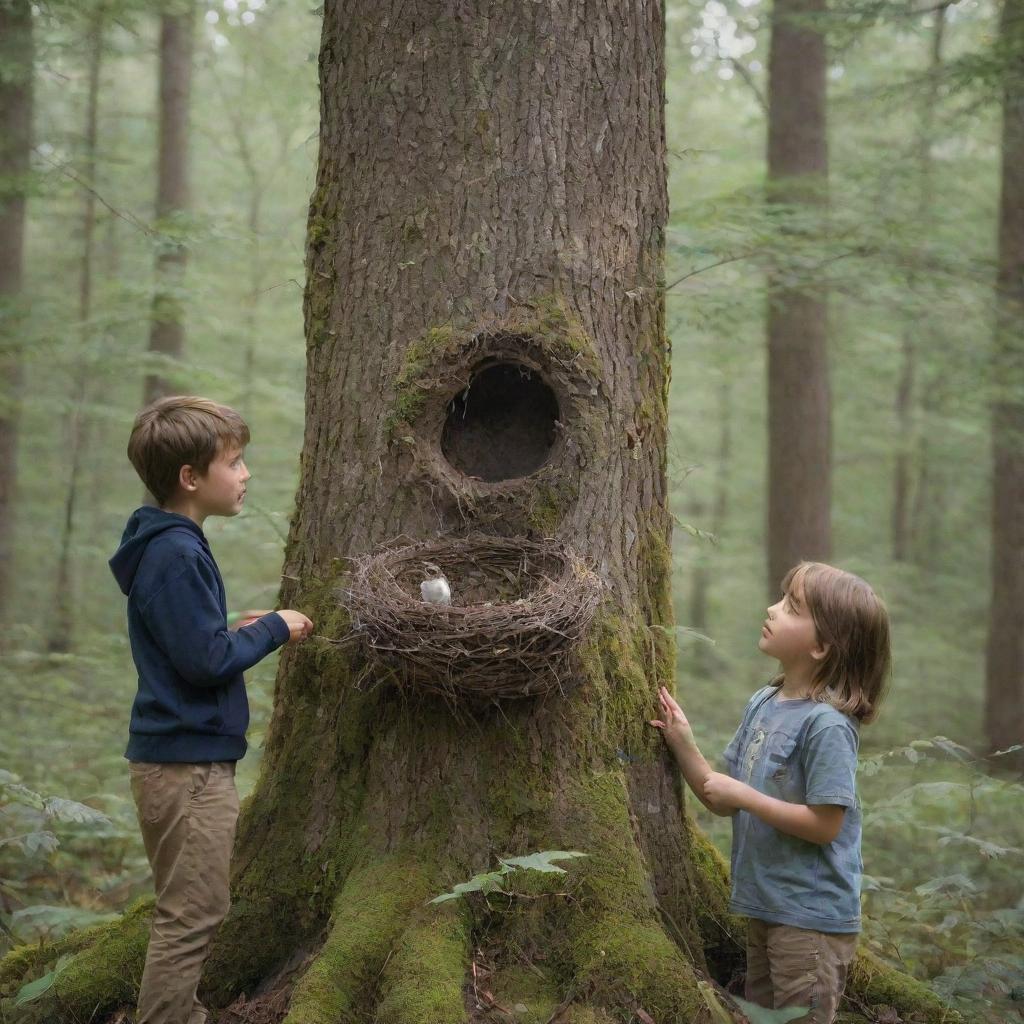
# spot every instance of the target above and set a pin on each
(829, 758)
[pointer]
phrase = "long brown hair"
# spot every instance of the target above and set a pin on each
(852, 620)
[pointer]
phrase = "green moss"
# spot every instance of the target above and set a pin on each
(546, 320)
(586, 1015)
(872, 983)
(117, 940)
(103, 973)
(626, 661)
(723, 935)
(623, 961)
(547, 508)
(424, 978)
(369, 914)
(427, 351)
(107, 972)
(526, 986)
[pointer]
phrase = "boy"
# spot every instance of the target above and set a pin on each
(190, 714)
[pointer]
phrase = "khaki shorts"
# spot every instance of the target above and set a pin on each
(789, 966)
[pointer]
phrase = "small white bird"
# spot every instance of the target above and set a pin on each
(436, 590)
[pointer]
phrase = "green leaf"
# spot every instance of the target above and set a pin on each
(489, 881)
(15, 792)
(34, 989)
(33, 842)
(947, 883)
(543, 861)
(761, 1015)
(71, 810)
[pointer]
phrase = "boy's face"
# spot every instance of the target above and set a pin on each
(788, 632)
(220, 491)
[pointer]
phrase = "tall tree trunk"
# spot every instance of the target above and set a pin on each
(523, 227)
(904, 406)
(799, 402)
(1004, 667)
(490, 206)
(167, 325)
(62, 620)
(16, 56)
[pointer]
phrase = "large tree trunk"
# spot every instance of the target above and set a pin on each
(1004, 675)
(484, 194)
(15, 147)
(799, 402)
(907, 385)
(490, 193)
(167, 323)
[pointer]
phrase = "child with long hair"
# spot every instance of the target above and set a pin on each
(791, 786)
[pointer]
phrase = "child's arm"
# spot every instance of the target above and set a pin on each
(185, 618)
(679, 738)
(816, 823)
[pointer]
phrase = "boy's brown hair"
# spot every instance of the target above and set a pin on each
(181, 430)
(853, 621)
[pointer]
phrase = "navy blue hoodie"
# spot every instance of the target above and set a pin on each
(191, 704)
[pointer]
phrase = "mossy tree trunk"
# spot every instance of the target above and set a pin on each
(490, 195)
(486, 352)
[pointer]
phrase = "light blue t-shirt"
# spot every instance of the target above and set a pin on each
(804, 752)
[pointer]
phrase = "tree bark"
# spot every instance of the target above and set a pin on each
(1004, 666)
(167, 322)
(799, 401)
(906, 387)
(16, 56)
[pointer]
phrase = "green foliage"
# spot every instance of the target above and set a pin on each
(496, 881)
(35, 989)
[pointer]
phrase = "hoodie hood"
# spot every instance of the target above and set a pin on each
(144, 524)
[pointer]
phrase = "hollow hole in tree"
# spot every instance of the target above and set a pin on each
(503, 425)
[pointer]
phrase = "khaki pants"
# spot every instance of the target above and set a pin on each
(789, 966)
(187, 813)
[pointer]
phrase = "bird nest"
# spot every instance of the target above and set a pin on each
(519, 609)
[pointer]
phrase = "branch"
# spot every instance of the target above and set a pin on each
(711, 266)
(127, 217)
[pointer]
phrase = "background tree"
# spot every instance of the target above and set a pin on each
(62, 622)
(799, 402)
(907, 385)
(16, 72)
(1004, 678)
(167, 328)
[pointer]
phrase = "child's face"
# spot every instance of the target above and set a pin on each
(220, 491)
(788, 632)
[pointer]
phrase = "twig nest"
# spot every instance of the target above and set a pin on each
(519, 609)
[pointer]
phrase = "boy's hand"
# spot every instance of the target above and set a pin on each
(724, 792)
(299, 626)
(673, 723)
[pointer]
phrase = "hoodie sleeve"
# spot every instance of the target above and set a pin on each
(186, 620)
